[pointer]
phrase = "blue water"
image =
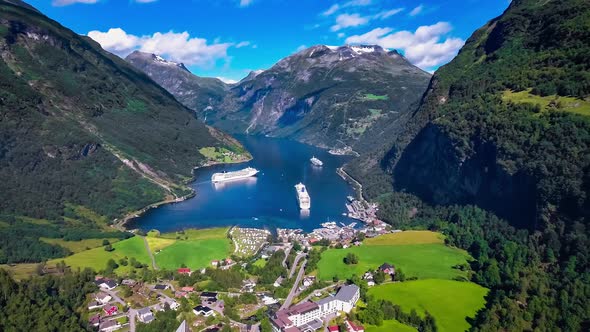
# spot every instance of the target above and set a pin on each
(265, 201)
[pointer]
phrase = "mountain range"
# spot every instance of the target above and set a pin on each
(326, 96)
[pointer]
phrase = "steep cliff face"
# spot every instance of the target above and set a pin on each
(477, 143)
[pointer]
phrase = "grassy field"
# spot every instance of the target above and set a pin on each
(420, 254)
(389, 326)
(78, 246)
(195, 248)
(157, 243)
(20, 271)
(97, 258)
(370, 96)
(450, 302)
(567, 104)
(407, 237)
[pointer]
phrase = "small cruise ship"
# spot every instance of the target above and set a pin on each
(316, 161)
(303, 196)
(235, 175)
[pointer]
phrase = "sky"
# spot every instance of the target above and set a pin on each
(230, 38)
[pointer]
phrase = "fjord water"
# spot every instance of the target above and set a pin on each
(265, 201)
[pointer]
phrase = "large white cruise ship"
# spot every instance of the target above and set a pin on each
(316, 161)
(235, 175)
(303, 196)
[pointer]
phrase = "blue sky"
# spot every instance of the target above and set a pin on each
(229, 38)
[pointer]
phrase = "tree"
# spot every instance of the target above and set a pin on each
(108, 248)
(351, 259)
(265, 325)
(105, 242)
(379, 277)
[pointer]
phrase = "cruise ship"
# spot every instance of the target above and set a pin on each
(316, 161)
(235, 175)
(303, 196)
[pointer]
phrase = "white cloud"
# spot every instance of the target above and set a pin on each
(246, 3)
(341, 35)
(422, 47)
(242, 44)
(180, 47)
(349, 20)
(416, 10)
(387, 13)
(61, 3)
(353, 3)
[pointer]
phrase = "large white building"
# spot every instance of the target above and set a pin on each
(308, 316)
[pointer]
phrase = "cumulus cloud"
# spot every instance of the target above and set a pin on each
(423, 47)
(387, 13)
(416, 10)
(61, 3)
(180, 47)
(349, 20)
(246, 3)
(353, 3)
(242, 44)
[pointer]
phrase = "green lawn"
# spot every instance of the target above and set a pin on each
(567, 104)
(450, 302)
(193, 253)
(416, 260)
(97, 258)
(406, 237)
(370, 96)
(390, 326)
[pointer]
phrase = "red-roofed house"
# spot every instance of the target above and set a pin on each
(184, 270)
(187, 289)
(333, 328)
(110, 310)
(352, 327)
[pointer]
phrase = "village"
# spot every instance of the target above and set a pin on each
(303, 304)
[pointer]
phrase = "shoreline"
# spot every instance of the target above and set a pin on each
(120, 224)
(357, 186)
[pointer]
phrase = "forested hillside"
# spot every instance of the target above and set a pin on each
(506, 126)
(84, 137)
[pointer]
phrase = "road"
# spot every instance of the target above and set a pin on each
(147, 247)
(295, 261)
(286, 255)
(293, 291)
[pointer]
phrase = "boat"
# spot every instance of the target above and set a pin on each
(316, 162)
(235, 175)
(303, 196)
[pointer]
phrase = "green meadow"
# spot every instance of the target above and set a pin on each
(450, 302)
(419, 254)
(567, 104)
(97, 258)
(389, 326)
(195, 248)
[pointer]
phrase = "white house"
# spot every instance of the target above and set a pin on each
(109, 326)
(145, 315)
(203, 310)
(103, 298)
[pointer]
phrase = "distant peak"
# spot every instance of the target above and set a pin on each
(156, 58)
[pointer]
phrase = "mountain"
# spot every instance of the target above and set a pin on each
(326, 96)
(506, 126)
(84, 137)
(193, 91)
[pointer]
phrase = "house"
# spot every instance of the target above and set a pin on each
(161, 287)
(203, 310)
(228, 261)
(184, 270)
(187, 289)
(370, 283)
(110, 310)
(333, 328)
(209, 296)
(215, 263)
(104, 283)
(109, 326)
(352, 327)
(103, 298)
(368, 276)
(172, 304)
(94, 320)
(179, 294)
(145, 315)
(94, 305)
(387, 268)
